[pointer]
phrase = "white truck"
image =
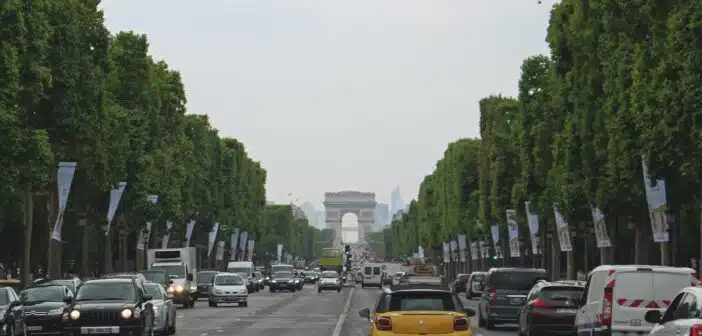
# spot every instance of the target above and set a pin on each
(181, 266)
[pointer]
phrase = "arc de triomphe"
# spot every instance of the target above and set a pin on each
(338, 204)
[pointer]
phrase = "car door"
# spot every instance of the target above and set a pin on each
(666, 326)
(170, 308)
(524, 311)
(17, 312)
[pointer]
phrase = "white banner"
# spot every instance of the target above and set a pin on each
(533, 221)
(657, 203)
(601, 234)
(220, 250)
(189, 232)
(513, 230)
(484, 250)
(495, 231)
(167, 236)
(243, 238)
(280, 252)
(251, 250)
(462, 248)
(212, 238)
(143, 241)
(447, 252)
(563, 232)
(233, 243)
(115, 197)
(64, 179)
(474, 251)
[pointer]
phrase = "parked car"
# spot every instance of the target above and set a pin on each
(550, 308)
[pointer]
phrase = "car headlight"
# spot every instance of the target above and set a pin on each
(56, 311)
(155, 309)
(274, 281)
(268, 278)
(179, 288)
(219, 291)
(74, 315)
(126, 313)
(170, 289)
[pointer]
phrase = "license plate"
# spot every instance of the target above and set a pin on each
(99, 330)
(565, 311)
(516, 301)
(34, 328)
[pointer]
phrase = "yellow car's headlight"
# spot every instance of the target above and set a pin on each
(126, 313)
(75, 314)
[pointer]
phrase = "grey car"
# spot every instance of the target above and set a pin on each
(504, 293)
(164, 309)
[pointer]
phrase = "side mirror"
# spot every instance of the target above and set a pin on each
(189, 277)
(14, 304)
(68, 300)
(147, 297)
(653, 316)
(365, 313)
(470, 312)
(169, 282)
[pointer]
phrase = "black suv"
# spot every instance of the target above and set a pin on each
(550, 308)
(504, 293)
(110, 306)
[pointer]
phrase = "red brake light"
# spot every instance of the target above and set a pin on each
(696, 330)
(539, 304)
(383, 323)
(460, 323)
(606, 317)
(493, 294)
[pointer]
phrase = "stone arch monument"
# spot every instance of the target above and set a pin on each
(338, 204)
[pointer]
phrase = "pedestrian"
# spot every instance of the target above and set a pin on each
(581, 276)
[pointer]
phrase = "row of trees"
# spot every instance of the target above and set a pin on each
(71, 91)
(621, 82)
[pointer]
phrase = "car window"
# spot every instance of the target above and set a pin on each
(516, 280)
(368, 271)
(107, 291)
(557, 293)
(670, 312)
(380, 304)
(419, 300)
(4, 297)
(205, 277)
(687, 308)
(155, 290)
(229, 280)
(376, 270)
(478, 277)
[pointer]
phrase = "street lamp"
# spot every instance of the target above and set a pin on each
(153, 199)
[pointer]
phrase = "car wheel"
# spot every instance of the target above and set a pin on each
(481, 321)
(272, 290)
(319, 290)
(172, 328)
(293, 290)
(489, 325)
(11, 328)
(338, 290)
(212, 304)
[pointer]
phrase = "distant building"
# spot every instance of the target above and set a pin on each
(382, 215)
(321, 220)
(396, 202)
(298, 213)
(310, 213)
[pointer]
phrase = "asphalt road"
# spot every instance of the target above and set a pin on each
(305, 313)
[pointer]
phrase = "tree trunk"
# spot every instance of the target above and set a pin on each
(84, 267)
(28, 219)
(53, 256)
(107, 262)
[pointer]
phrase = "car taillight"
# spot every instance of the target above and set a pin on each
(493, 294)
(606, 317)
(696, 330)
(539, 304)
(460, 323)
(383, 323)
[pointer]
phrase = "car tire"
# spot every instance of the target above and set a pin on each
(338, 290)
(293, 290)
(489, 325)
(319, 290)
(271, 289)
(212, 304)
(11, 328)
(171, 329)
(481, 321)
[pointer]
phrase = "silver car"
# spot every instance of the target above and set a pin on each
(164, 309)
(329, 281)
(229, 288)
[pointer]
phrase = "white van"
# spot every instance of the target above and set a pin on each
(246, 269)
(372, 275)
(617, 297)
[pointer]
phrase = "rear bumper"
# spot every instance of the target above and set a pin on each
(229, 299)
(287, 286)
(125, 330)
(503, 314)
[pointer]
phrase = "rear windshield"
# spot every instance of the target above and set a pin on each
(479, 277)
(368, 271)
(515, 280)
(376, 270)
(565, 293)
(205, 277)
(422, 301)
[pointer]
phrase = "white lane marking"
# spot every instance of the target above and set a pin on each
(203, 334)
(340, 323)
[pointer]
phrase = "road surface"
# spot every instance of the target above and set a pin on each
(305, 313)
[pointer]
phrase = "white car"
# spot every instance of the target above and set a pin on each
(329, 281)
(229, 288)
(682, 316)
(617, 297)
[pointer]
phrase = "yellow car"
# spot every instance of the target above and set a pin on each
(419, 312)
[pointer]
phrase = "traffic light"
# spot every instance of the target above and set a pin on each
(347, 255)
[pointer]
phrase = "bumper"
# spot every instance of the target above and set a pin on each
(46, 325)
(503, 314)
(334, 287)
(229, 298)
(279, 286)
(179, 298)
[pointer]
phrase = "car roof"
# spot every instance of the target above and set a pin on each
(208, 271)
(516, 269)
(111, 280)
(416, 290)
(228, 273)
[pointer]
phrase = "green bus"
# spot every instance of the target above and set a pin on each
(332, 260)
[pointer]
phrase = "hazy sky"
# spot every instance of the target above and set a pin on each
(332, 95)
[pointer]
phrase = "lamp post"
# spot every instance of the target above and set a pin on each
(153, 199)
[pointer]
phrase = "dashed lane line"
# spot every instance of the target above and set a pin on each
(340, 323)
